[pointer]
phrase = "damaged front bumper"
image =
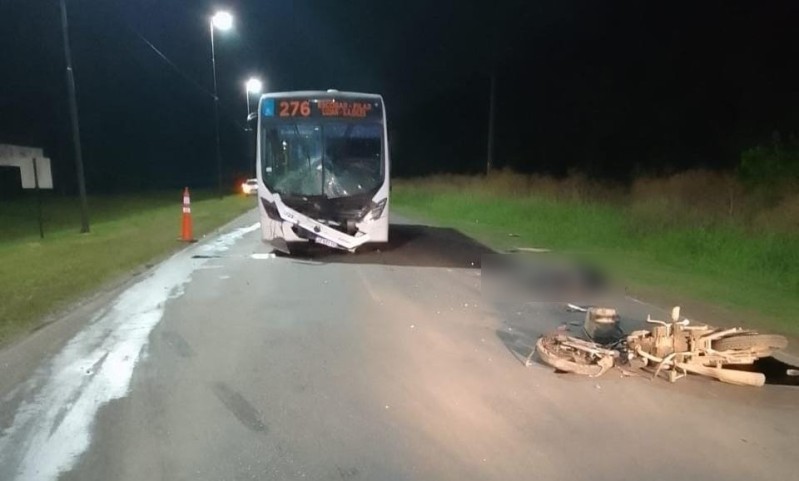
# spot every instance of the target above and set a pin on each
(315, 231)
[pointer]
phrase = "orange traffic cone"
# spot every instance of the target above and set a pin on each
(186, 234)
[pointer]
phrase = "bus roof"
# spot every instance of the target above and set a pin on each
(321, 94)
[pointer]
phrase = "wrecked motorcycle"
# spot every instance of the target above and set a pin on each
(675, 348)
(570, 354)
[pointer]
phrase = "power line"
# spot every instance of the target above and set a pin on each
(170, 63)
(177, 69)
(180, 72)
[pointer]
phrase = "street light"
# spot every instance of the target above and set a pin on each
(221, 21)
(252, 86)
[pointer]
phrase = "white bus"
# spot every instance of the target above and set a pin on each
(323, 169)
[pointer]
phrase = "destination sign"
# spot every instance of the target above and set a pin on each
(321, 107)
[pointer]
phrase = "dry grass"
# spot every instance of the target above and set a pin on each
(693, 198)
(576, 188)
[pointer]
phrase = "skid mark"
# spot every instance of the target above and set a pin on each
(240, 407)
(178, 343)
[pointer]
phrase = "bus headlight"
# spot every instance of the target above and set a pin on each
(377, 209)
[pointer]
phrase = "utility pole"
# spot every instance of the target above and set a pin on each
(250, 138)
(491, 102)
(222, 21)
(216, 117)
(255, 86)
(73, 112)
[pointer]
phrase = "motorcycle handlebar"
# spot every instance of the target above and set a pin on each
(684, 322)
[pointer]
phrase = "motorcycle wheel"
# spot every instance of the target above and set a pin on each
(551, 352)
(762, 344)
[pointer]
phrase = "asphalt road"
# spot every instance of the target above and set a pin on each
(226, 362)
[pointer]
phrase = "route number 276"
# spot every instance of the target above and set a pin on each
(291, 108)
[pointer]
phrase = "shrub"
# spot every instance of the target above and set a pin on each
(772, 166)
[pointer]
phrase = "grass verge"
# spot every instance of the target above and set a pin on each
(754, 274)
(40, 276)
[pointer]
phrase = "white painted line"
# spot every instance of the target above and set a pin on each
(225, 241)
(212, 266)
(52, 428)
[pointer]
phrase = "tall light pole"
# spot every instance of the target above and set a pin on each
(491, 114)
(253, 86)
(222, 21)
(73, 113)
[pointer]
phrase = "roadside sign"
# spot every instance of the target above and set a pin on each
(34, 170)
(23, 158)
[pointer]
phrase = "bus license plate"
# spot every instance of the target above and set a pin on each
(325, 242)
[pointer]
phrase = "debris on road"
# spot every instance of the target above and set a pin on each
(675, 348)
(574, 307)
(602, 325)
(535, 250)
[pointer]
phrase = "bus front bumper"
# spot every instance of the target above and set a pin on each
(318, 232)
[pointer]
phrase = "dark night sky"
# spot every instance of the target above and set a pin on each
(601, 86)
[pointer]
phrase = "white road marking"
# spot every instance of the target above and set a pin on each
(223, 242)
(52, 428)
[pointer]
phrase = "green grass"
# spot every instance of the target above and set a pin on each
(39, 276)
(754, 273)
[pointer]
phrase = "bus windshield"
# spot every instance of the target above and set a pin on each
(329, 159)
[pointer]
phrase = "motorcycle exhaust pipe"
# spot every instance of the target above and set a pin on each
(731, 376)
